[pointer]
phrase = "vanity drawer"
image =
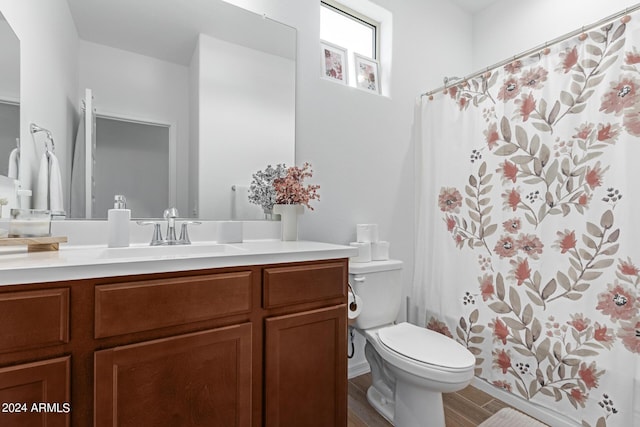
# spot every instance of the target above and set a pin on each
(32, 319)
(304, 283)
(152, 304)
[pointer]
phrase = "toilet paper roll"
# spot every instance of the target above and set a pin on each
(380, 251)
(367, 232)
(354, 306)
(364, 252)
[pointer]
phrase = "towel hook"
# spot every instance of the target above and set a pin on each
(35, 129)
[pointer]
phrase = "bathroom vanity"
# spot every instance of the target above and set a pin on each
(249, 335)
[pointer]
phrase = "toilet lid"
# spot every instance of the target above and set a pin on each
(427, 346)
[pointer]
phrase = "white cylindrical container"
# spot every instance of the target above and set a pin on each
(118, 220)
(380, 251)
(364, 252)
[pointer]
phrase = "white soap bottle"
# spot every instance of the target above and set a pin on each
(118, 223)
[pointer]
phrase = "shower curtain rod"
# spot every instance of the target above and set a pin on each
(536, 49)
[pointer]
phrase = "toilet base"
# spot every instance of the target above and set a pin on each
(381, 404)
(415, 405)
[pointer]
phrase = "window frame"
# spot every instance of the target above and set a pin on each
(359, 18)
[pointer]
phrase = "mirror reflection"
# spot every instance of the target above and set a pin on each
(9, 97)
(187, 101)
(172, 103)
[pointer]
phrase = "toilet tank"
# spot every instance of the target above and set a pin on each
(379, 286)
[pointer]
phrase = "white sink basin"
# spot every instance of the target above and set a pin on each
(173, 251)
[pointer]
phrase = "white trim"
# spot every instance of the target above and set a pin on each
(9, 100)
(357, 370)
(530, 408)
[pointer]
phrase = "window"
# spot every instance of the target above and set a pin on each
(347, 28)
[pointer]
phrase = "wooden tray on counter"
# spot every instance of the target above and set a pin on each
(35, 244)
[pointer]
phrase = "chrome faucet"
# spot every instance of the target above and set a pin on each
(171, 215)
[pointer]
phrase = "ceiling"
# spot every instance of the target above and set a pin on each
(473, 6)
(169, 29)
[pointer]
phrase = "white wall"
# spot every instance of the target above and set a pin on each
(509, 27)
(48, 45)
(246, 119)
(360, 143)
(134, 86)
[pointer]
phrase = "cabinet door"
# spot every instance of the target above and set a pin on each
(198, 379)
(306, 368)
(36, 394)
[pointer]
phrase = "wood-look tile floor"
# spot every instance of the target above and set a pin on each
(466, 408)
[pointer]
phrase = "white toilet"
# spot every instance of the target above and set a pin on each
(411, 366)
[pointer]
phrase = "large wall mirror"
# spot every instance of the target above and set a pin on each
(172, 102)
(9, 96)
(190, 98)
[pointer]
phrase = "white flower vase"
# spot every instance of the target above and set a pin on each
(289, 220)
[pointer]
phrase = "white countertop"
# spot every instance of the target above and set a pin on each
(17, 266)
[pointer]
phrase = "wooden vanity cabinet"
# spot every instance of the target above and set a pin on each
(32, 320)
(251, 346)
(305, 349)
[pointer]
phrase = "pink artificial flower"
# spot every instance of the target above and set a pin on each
(291, 190)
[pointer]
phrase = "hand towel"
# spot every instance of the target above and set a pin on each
(49, 185)
(14, 163)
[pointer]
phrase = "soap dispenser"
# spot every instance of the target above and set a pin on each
(118, 223)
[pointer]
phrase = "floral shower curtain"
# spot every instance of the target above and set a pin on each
(528, 233)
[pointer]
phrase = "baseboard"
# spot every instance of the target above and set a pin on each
(529, 408)
(357, 370)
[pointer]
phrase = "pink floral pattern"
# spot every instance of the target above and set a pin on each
(544, 224)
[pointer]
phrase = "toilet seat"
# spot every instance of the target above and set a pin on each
(426, 347)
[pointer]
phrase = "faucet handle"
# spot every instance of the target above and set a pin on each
(184, 233)
(156, 240)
